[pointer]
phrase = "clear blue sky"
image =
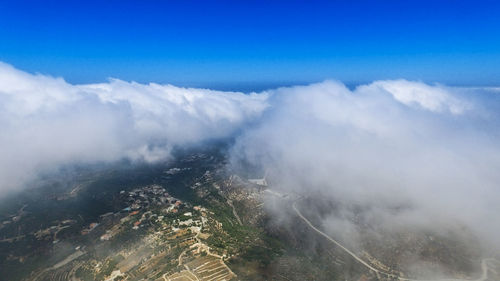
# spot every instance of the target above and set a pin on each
(218, 43)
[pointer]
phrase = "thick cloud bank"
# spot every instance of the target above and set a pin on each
(47, 122)
(433, 147)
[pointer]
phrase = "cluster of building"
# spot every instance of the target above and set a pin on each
(147, 196)
(139, 201)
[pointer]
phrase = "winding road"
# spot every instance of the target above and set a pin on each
(484, 262)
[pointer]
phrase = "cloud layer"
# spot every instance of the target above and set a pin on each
(47, 122)
(433, 147)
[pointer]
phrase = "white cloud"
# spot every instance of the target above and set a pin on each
(47, 122)
(433, 98)
(384, 144)
(434, 146)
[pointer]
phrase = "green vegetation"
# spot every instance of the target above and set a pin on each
(99, 193)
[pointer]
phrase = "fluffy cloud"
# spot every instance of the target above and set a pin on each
(435, 149)
(433, 98)
(47, 122)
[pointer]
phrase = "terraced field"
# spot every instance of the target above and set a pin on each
(206, 268)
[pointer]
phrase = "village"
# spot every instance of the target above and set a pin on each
(168, 241)
(178, 227)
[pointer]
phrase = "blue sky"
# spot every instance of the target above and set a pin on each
(231, 44)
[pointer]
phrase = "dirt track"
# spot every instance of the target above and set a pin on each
(484, 262)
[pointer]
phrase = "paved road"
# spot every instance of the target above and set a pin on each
(484, 262)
